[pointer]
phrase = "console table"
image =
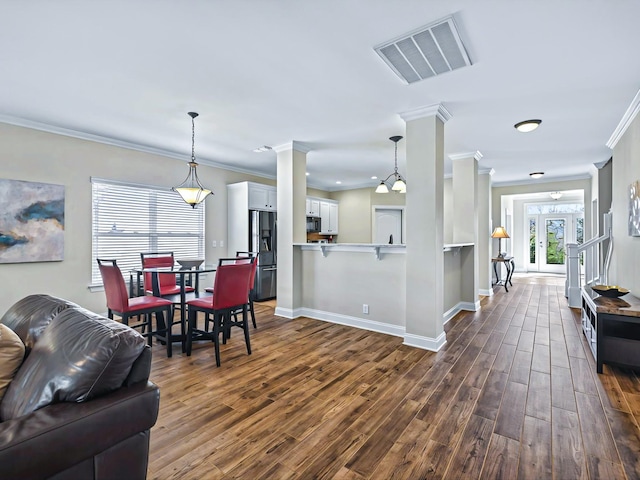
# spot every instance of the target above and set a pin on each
(510, 265)
(612, 328)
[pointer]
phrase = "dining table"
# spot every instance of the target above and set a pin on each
(185, 276)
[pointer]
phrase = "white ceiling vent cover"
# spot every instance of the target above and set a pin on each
(423, 53)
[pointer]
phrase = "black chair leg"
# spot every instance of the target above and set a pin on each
(253, 314)
(217, 321)
(245, 325)
(165, 328)
(190, 328)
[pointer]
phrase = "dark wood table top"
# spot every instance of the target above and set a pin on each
(628, 305)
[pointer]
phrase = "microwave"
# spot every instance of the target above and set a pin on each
(313, 224)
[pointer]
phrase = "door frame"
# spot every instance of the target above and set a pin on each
(401, 208)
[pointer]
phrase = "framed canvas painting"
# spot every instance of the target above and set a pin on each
(31, 222)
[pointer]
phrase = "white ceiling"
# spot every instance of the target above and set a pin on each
(270, 72)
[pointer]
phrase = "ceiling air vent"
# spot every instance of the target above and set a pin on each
(425, 52)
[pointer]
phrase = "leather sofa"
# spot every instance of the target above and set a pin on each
(80, 405)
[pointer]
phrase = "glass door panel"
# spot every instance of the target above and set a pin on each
(554, 245)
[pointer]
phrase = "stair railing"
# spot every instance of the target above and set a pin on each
(595, 270)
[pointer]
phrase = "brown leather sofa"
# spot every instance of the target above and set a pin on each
(80, 406)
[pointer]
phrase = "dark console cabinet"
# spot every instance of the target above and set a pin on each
(612, 328)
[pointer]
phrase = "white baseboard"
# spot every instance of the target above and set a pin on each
(425, 343)
(453, 311)
(486, 293)
(288, 312)
(357, 322)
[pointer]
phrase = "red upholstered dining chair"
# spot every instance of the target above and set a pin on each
(230, 293)
(241, 258)
(119, 303)
(166, 281)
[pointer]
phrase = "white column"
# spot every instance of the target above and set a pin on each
(292, 193)
(485, 271)
(465, 222)
(424, 208)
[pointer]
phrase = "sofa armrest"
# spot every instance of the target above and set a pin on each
(61, 435)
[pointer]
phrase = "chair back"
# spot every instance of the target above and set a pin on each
(231, 285)
(253, 255)
(158, 260)
(114, 286)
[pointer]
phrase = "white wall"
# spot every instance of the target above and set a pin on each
(37, 156)
(625, 266)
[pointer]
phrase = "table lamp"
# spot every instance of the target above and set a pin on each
(500, 233)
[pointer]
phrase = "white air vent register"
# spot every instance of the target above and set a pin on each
(423, 53)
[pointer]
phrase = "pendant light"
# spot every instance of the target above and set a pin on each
(399, 183)
(191, 190)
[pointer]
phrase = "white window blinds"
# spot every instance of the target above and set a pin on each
(129, 219)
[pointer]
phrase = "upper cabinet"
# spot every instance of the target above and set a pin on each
(313, 207)
(328, 217)
(262, 197)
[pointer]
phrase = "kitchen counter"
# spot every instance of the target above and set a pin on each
(377, 249)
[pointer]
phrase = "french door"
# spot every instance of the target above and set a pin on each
(548, 237)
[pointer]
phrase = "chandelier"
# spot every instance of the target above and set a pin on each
(399, 183)
(191, 190)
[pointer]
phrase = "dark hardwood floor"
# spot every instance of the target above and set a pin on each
(513, 394)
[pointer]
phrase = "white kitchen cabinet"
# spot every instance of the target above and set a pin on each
(328, 217)
(262, 197)
(313, 207)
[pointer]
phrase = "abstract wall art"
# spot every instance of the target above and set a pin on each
(31, 222)
(634, 209)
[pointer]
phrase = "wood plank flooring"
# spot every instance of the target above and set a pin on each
(513, 394)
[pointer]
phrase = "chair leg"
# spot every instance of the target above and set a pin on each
(165, 327)
(253, 314)
(191, 326)
(245, 325)
(217, 325)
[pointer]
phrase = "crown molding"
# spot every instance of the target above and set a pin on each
(68, 132)
(461, 156)
(626, 120)
(437, 110)
(293, 145)
(540, 180)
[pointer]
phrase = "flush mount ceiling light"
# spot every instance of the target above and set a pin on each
(555, 195)
(191, 190)
(399, 183)
(536, 174)
(527, 126)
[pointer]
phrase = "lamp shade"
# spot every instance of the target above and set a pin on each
(500, 232)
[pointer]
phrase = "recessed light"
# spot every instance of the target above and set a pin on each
(536, 174)
(264, 148)
(374, 178)
(307, 174)
(338, 182)
(527, 125)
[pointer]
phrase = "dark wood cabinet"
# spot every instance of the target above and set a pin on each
(612, 328)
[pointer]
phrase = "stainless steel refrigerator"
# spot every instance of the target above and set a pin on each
(263, 240)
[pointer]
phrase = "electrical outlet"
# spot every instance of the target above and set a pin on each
(214, 244)
(365, 308)
(221, 243)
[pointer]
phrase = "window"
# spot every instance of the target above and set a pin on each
(129, 219)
